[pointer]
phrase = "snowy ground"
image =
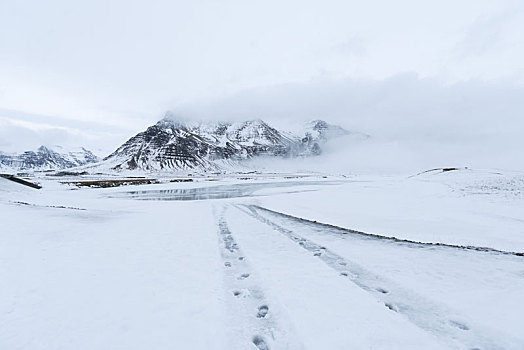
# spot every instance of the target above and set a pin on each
(247, 262)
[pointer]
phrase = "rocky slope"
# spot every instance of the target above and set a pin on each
(173, 144)
(45, 158)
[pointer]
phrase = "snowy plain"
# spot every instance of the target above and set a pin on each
(266, 261)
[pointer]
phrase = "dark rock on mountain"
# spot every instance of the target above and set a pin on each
(176, 144)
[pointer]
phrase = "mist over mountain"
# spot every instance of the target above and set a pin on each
(415, 122)
(175, 144)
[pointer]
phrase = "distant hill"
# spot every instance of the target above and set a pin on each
(45, 158)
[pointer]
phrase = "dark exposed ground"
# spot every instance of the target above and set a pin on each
(20, 181)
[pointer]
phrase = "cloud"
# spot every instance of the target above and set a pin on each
(422, 121)
(389, 106)
(337, 60)
(21, 131)
(16, 136)
(140, 56)
(415, 123)
(489, 33)
(352, 46)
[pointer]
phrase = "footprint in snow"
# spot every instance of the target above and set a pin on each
(260, 343)
(242, 293)
(262, 311)
(243, 276)
(391, 307)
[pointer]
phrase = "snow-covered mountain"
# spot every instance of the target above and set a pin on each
(45, 158)
(174, 144)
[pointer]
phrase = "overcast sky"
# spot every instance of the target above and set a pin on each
(96, 72)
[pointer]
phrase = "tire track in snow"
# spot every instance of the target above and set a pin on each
(254, 323)
(342, 230)
(426, 314)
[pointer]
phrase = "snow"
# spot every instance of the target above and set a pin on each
(201, 265)
(327, 311)
(100, 278)
(441, 207)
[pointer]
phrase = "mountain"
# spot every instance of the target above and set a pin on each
(321, 130)
(174, 144)
(45, 158)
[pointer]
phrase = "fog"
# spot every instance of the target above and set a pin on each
(412, 122)
(438, 83)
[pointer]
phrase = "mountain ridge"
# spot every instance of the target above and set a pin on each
(176, 144)
(47, 158)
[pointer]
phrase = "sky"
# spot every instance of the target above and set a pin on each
(95, 73)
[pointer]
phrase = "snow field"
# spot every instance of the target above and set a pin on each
(104, 268)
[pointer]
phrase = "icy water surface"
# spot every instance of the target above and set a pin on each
(223, 191)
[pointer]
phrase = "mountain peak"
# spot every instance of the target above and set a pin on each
(173, 143)
(43, 149)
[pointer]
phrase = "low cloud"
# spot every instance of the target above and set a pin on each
(22, 132)
(422, 121)
(414, 123)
